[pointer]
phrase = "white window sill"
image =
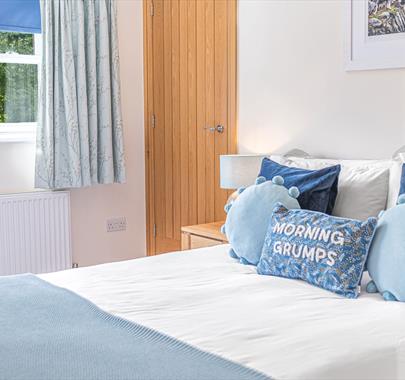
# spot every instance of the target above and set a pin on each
(17, 132)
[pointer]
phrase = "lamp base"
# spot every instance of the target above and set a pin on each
(232, 197)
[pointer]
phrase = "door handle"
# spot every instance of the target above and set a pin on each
(219, 128)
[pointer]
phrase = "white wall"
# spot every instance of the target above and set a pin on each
(16, 167)
(91, 207)
(295, 93)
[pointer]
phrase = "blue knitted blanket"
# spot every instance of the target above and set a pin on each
(48, 332)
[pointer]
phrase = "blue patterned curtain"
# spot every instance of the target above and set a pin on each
(79, 140)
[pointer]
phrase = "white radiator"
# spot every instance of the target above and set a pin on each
(35, 232)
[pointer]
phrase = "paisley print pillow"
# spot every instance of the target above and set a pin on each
(326, 251)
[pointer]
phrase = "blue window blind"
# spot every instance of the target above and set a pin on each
(20, 16)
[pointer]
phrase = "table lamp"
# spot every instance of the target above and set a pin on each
(239, 170)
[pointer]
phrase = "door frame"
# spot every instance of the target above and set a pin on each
(148, 10)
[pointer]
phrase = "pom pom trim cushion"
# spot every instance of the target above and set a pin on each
(325, 251)
(318, 188)
(386, 261)
(249, 215)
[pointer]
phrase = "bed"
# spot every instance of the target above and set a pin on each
(202, 300)
(283, 328)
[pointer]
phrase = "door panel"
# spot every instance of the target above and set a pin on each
(201, 108)
(210, 112)
(190, 59)
(221, 98)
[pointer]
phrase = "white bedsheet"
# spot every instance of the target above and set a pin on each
(284, 328)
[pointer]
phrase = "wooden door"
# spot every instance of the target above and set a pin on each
(190, 89)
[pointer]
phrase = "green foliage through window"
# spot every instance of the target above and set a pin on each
(19, 43)
(18, 93)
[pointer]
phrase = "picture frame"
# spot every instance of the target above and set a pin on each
(374, 38)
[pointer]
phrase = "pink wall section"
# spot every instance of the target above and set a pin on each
(91, 207)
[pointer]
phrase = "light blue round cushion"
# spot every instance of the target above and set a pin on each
(386, 261)
(249, 217)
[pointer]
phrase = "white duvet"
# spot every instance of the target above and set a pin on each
(284, 328)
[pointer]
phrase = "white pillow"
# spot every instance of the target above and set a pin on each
(394, 165)
(362, 193)
(365, 186)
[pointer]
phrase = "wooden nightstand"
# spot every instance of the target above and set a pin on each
(202, 235)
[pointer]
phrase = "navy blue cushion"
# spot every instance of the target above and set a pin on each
(318, 188)
(402, 189)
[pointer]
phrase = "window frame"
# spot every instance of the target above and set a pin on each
(21, 132)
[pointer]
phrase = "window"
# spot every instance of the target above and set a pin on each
(19, 59)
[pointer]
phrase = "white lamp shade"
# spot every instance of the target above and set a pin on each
(239, 170)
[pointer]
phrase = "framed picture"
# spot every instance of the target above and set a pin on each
(375, 34)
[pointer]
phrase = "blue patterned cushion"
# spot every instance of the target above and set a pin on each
(318, 188)
(326, 251)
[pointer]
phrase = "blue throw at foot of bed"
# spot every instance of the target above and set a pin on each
(48, 332)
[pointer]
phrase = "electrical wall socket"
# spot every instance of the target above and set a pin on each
(116, 224)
